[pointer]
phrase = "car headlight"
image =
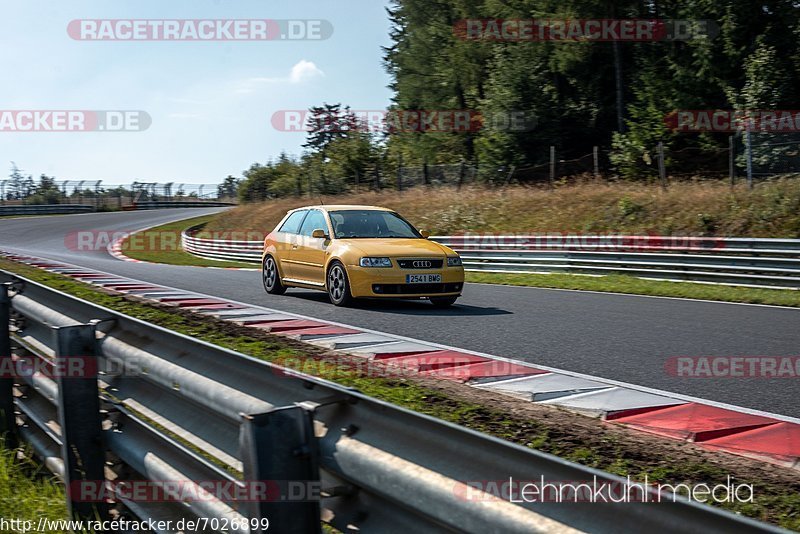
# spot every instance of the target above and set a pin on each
(375, 262)
(454, 261)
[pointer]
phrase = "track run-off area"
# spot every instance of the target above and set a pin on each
(626, 338)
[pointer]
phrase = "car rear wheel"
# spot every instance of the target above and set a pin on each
(443, 302)
(338, 285)
(271, 277)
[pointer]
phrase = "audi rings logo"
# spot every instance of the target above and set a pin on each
(422, 264)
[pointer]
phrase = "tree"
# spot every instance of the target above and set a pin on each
(351, 156)
(327, 123)
(46, 191)
(273, 180)
(255, 186)
(16, 183)
(286, 177)
(766, 86)
(340, 148)
(229, 188)
(588, 93)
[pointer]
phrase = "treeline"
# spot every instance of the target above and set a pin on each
(21, 187)
(582, 94)
(339, 151)
(610, 94)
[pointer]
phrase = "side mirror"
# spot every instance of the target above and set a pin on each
(425, 234)
(319, 234)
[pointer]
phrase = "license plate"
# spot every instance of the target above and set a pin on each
(423, 278)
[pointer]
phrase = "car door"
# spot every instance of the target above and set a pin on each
(308, 259)
(287, 241)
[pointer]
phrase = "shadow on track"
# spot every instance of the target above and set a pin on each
(403, 307)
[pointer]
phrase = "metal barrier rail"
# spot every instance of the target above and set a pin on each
(45, 209)
(163, 204)
(732, 261)
(158, 406)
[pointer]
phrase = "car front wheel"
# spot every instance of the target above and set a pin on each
(338, 285)
(271, 277)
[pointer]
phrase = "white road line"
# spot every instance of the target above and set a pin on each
(643, 296)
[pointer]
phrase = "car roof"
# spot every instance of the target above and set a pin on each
(341, 207)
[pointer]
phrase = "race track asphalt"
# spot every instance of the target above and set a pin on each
(620, 337)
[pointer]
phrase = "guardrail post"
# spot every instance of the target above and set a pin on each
(511, 174)
(732, 159)
(279, 448)
(596, 161)
(748, 148)
(79, 416)
(8, 424)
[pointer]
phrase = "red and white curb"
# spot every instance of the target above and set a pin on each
(115, 250)
(715, 426)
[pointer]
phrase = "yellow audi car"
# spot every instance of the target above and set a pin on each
(359, 251)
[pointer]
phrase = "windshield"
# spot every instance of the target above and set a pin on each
(364, 224)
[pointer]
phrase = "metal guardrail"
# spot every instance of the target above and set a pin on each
(160, 406)
(163, 204)
(235, 250)
(45, 209)
(732, 261)
(101, 193)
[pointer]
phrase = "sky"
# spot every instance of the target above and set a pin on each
(211, 103)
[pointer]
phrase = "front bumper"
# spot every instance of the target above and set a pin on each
(377, 282)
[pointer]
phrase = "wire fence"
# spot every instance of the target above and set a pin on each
(749, 157)
(444, 174)
(763, 156)
(773, 154)
(103, 195)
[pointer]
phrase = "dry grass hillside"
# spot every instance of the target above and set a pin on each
(690, 208)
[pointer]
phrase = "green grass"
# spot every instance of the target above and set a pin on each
(637, 286)
(162, 245)
(602, 447)
(28, 492)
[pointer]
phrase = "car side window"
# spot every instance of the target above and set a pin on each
(394, 225)
(292, 224)
(314, 221)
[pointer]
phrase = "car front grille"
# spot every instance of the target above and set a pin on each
(415, 289)
(420, 263)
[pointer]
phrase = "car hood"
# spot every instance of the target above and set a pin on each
(422, 248)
